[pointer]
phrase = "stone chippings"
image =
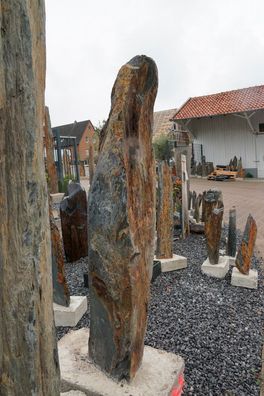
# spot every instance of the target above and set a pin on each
(214, 326)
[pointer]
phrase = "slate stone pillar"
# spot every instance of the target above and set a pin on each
(122, 223)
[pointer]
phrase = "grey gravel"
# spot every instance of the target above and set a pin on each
(217, 328)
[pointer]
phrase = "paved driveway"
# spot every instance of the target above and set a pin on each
(246, 196)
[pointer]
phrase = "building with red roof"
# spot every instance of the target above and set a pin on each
(227, 124)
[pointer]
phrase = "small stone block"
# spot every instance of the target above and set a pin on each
(173, 264)
(232, 261)
(73, 393)
(70, 316)
(160, 374)
(56, 198)
(156, 270)
(216, 270)
(249, 281)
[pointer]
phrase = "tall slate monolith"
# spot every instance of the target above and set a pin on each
(122, 223)
(231, 239)
(164, 212)
(50, 161)
(214, 210)
(73, 213)
(28, 352)
(246, 249)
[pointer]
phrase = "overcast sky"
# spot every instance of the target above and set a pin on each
(200, 47)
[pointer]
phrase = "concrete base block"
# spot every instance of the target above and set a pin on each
(56, 198)
(232, 260)
(73, 393)
(249, 281)
(216, 270)
(173, 264)
(70, 316)
(160, 373)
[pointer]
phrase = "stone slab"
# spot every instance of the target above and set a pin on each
(70, 316)
(232, 260)
(216, 270)
(173, 264)
(249, 281)
(160, 373)
(73, 393)
(56, 198)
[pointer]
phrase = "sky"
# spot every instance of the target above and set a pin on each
(200, 47)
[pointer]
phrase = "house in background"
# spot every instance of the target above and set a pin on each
(227, 124)
(82, 131)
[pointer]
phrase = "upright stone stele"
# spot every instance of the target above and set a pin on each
(122, 223)
(231, 240)
(73, 213)
(164, 212)
(246, 249)
(61, 293)
(49, 145)
(28, 351)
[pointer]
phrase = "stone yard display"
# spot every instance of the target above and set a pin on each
(242, 275)
(28, 352)
(164, 252)
(213, 212)
(122, 223)
(73, 213)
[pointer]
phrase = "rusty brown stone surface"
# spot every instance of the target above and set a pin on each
(61, 294)
(122, 223)
(246, 249)
(213, 212)
(28, 351)
(73, 214)
(164, 212)
(49, 145)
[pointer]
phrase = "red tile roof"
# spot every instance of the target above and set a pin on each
(237, 101)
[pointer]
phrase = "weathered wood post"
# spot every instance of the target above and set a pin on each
(49, 145)
(28, 352)
(122, 223)
(164, 212)
(185, 212)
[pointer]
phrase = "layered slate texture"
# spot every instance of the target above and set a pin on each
(28, 352)
(164, 212)
(61, 294)
(73, 213)
(246, 249)
(122, 223)
(213, 212)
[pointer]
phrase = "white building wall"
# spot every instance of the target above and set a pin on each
(223, 137)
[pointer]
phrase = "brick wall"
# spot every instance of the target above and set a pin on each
(83, 147)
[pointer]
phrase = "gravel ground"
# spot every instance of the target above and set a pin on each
(215, 327)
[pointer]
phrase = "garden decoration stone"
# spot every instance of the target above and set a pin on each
(122, 223)
(184, 203)
(197, 208)
(232, 236)
(190, 201)
(73, 213)
(61, 293)
(50, 162)
(28, 350)
(246, 249)
(164, 212)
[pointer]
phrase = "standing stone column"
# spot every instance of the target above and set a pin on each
(73, 214)
(185, 213)
(49, 145)
(214, 210)
(246, 249)
(28, 352)
(122, 223)
(231, 240)
(164, 212)
(91, 157)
